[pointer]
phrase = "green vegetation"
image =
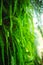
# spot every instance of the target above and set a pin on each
(17, 46)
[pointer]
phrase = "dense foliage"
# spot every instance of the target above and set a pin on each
(17, 45)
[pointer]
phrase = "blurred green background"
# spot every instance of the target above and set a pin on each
(18, 38)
